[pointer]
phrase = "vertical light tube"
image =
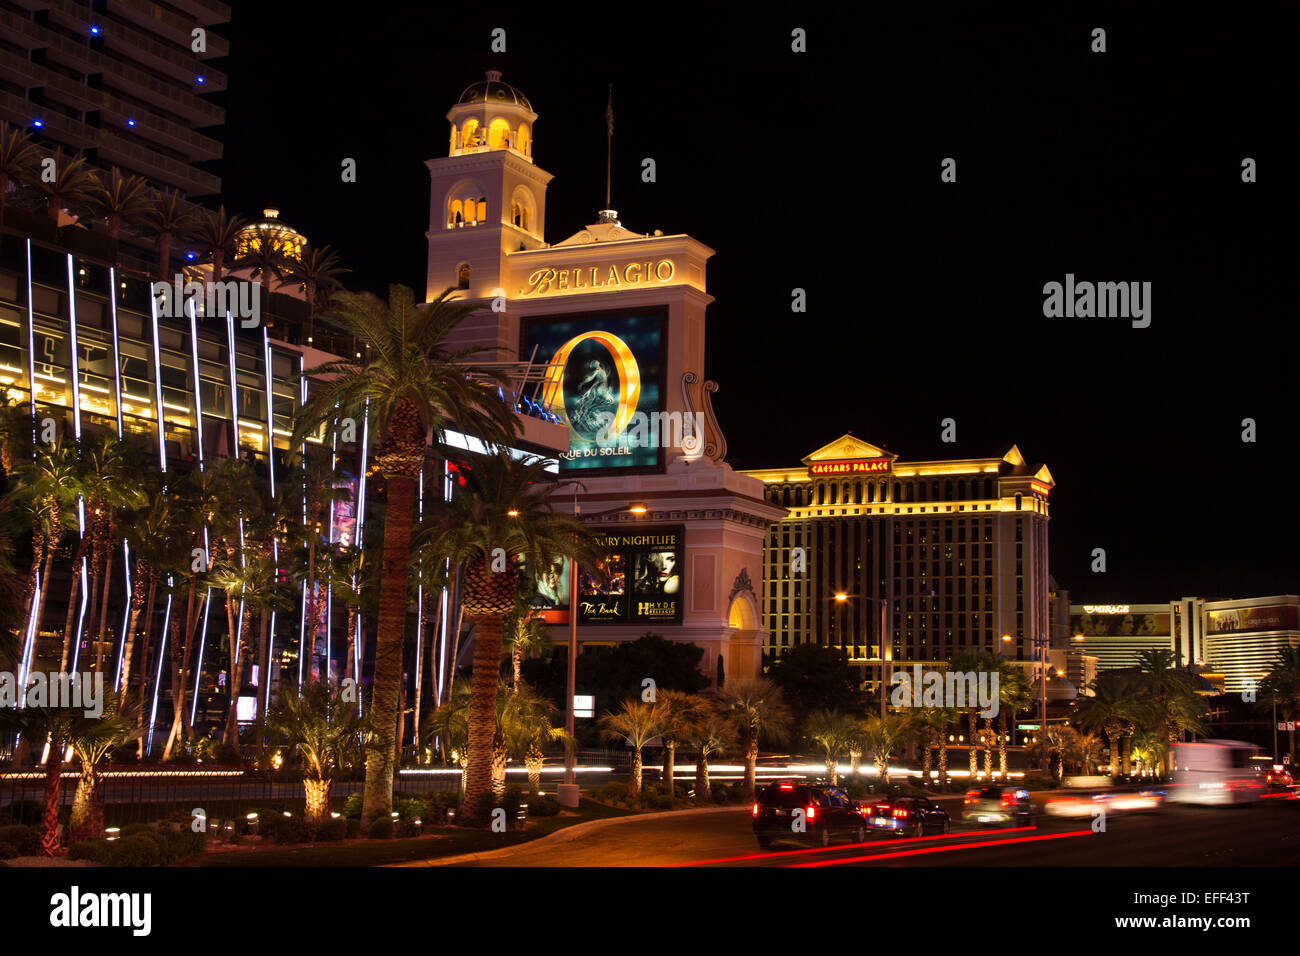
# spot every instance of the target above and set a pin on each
(74, 368)
(198, 392)
(157, 384)
(157, 680)
(117, 358)
(234, 396)
(126, 613)
(31, 390)
(275, 544)
(198, 671)
(81, 614)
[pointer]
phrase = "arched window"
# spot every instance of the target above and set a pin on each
(523, 141)
(871, 491)
(1017, 502)
(462, 276)
(857, 492)
(456, 214)
(470, 137)
(498, 134)
(961, 489)
(481, 213)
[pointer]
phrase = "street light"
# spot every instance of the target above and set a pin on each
(886, 647)
(568, 792)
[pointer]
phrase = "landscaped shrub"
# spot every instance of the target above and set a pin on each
(543, 805)
(131, 829)
(354, 828)
(26, 840)
(138, 850)
(352, 807)
(93, 850)
(412, 808)
(333, 830)
(407, 828)
(294, 830)
(381, 829)
(8, 851)
(22, 812)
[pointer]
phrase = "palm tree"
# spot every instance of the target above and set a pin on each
(411, 387)
(314, 271)
(525, 636)
(1172, 693)
(149, 536)
(636, 723)
(19, 158)
(884, 736)
(530, 723)
(680, 714)
(215, 234)
(92, 741)
(1282, 681)
(1113, 710)
(43, 488)
(170, 218)
(758, 711)
(73, 182)
(449, 722)
(503, 516)
(265, 257)
(711, 733)
(325, 732)
(1014, 695)
(123, 200)
(253, 585)
(830, 730)
(976, 662)
(56, 727)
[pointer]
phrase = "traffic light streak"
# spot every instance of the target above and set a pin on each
(829, 849)
(945, 849)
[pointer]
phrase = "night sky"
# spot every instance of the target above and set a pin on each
(821, 171)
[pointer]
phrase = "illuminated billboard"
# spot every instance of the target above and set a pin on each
(604, 381)
(1268, 617)
(643, 579)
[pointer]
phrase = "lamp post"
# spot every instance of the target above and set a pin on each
(569, 792)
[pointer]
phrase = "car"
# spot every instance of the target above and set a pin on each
(994, 805)
(806, 813)
(908, 816)
(1278, 778)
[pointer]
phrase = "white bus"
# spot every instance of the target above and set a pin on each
(1216, 773)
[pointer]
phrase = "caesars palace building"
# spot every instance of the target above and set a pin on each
(951, 554)
(608, 327)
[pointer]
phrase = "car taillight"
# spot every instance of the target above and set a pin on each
(900, 812)
(882, 808)
(1008, 799)
(756, 809)
(812, 812)
(971, 796)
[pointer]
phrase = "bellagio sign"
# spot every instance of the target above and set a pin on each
(603, 278)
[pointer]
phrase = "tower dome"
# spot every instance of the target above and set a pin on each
(491, 114)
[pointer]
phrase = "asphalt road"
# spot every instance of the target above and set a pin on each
(1266, 834)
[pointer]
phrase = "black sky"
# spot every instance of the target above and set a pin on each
(821, 171)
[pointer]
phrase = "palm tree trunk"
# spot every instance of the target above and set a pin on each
(51, 545)
(77, 560)
(351, 649)
(499, 758)
(177, 694)
(943, 758)
(318, 800)
(87, 819)
(1112, 743)
(703, 791)
(1002, 743)
(927, 759)
(974, 754)
(389, 642)
(313, 614)
(832, 770)
(53, 783)
(103, 608)
(533, 760)
(137, 603)
(634, 780)
(751, 763)
(237, 679)
(670, 758)
(482, 717)
(144, 660)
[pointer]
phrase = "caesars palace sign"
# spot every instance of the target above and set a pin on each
(548, 280)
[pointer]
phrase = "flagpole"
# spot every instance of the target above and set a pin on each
(609, 142)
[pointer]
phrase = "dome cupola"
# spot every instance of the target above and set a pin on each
(491, 114)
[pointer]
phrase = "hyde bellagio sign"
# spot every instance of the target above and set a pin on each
(858, 466)
(550, 280)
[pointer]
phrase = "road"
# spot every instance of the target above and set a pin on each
(1267, 834)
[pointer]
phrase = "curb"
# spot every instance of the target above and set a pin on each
(562, 836)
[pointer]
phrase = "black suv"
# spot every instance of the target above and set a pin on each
(908, 816)
(806, 813)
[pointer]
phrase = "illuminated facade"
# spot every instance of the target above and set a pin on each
(612, 325)
(954, 551)
(1231, 643)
